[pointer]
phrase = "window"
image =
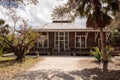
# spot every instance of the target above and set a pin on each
(61, 34)
(43, 41)
(61, 41)
(78, 41)
(81, 41)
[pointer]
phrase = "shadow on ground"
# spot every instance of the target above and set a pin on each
(85, 74)
(97, 74)
(7, 63)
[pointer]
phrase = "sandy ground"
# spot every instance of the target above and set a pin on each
(58, 63)
(67, 68)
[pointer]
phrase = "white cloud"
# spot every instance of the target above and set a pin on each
(40, 13)
(81, 21)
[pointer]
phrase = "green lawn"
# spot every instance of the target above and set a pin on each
(9, 68)
(6, 59)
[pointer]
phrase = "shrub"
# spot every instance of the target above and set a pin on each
(96, 53)
(108, 50)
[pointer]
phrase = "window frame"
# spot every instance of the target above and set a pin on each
(80, 44)
(38, 42)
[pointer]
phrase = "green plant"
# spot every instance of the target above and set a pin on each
(96, 53)
(108, 50)
(18, 41)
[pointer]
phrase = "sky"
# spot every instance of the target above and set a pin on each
(37, 14)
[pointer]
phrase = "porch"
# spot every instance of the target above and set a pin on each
(68, 42)
(70, 51)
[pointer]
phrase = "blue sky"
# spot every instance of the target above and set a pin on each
(36, 14)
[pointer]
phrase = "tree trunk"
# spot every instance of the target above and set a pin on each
(20, 56)
(104, 54)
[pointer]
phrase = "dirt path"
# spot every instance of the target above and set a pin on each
(52, 68)
(58, 63)
(67, 68)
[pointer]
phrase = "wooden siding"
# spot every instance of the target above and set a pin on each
(80, 33)
(91, 40)
(51, 39)
(71, 39)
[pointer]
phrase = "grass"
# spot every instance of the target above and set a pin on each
(6, 58)
(9, 68)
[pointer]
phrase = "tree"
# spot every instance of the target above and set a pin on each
(97, 13)
(114, 39)
(19, 41)
(116, 21)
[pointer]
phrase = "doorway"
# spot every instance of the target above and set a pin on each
(61, 41)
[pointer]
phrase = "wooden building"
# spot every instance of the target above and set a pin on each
(65, 38)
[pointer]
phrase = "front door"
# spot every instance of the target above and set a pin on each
(61, 41)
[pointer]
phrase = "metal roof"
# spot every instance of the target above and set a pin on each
(70, 27)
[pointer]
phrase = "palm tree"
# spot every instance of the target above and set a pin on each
(97, 13)
(115, 22)
(115, 39)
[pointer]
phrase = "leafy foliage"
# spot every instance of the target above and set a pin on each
(2, 22)
(96, 53)
(115, 39)
(19, 41)
(96, 11)
(108, 50)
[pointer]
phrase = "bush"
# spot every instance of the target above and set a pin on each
(108, 50)
(96, 53)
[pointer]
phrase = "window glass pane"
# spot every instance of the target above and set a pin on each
(44, 33)
(78, 40)
(77, 45)
(62, 45)
(61, 33)
(83, 44)
(56, 47)
(66, 42)
(66, 33)
(56, 33)
(45, 43)
(43, 40)
(61, 38)
(82, 39)
(40, 44)
(57, 38)
(56, 42)
(66, 37)
(66, 46)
